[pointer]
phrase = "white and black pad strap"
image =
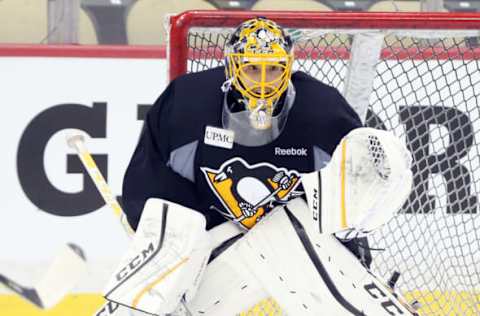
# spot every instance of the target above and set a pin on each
(227, 287)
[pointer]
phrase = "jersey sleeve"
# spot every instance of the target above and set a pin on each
(349, 119)
(148, 174)
(343, 119)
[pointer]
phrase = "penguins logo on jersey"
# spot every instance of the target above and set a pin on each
(248, 192)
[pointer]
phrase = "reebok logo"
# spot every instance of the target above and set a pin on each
(290, 151)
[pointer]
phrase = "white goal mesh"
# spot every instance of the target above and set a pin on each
(415, 74)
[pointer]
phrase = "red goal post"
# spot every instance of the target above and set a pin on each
(417, 74)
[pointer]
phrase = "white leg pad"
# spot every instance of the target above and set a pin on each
(310, 273)
(305, 272)
(227, 288)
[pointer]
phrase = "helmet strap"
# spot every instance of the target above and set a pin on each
(226, 85)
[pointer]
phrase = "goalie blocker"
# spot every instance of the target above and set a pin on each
(165, 261)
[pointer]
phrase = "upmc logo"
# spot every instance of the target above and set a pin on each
(417, 121)
(31, 151)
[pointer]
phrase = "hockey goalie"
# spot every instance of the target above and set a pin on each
(295, 256)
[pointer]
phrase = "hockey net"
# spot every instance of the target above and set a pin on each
(417, 75)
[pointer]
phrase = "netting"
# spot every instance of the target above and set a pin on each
(426, 89)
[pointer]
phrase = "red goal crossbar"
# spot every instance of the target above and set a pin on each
(180, 25)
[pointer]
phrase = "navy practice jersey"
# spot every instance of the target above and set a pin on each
(172, 160)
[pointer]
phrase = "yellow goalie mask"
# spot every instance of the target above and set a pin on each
(259, 57)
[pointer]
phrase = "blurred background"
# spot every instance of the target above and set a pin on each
(99, 65)
(137, 22)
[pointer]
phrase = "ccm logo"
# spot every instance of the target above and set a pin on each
(386, 302)
(108, 309)
(135, 262)
(315, 204)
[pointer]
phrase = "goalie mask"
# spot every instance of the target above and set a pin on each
(259, 57)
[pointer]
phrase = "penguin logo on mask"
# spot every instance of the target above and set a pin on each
(248, 192)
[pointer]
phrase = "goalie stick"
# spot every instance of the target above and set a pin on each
(68, 267)
(77, 142)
